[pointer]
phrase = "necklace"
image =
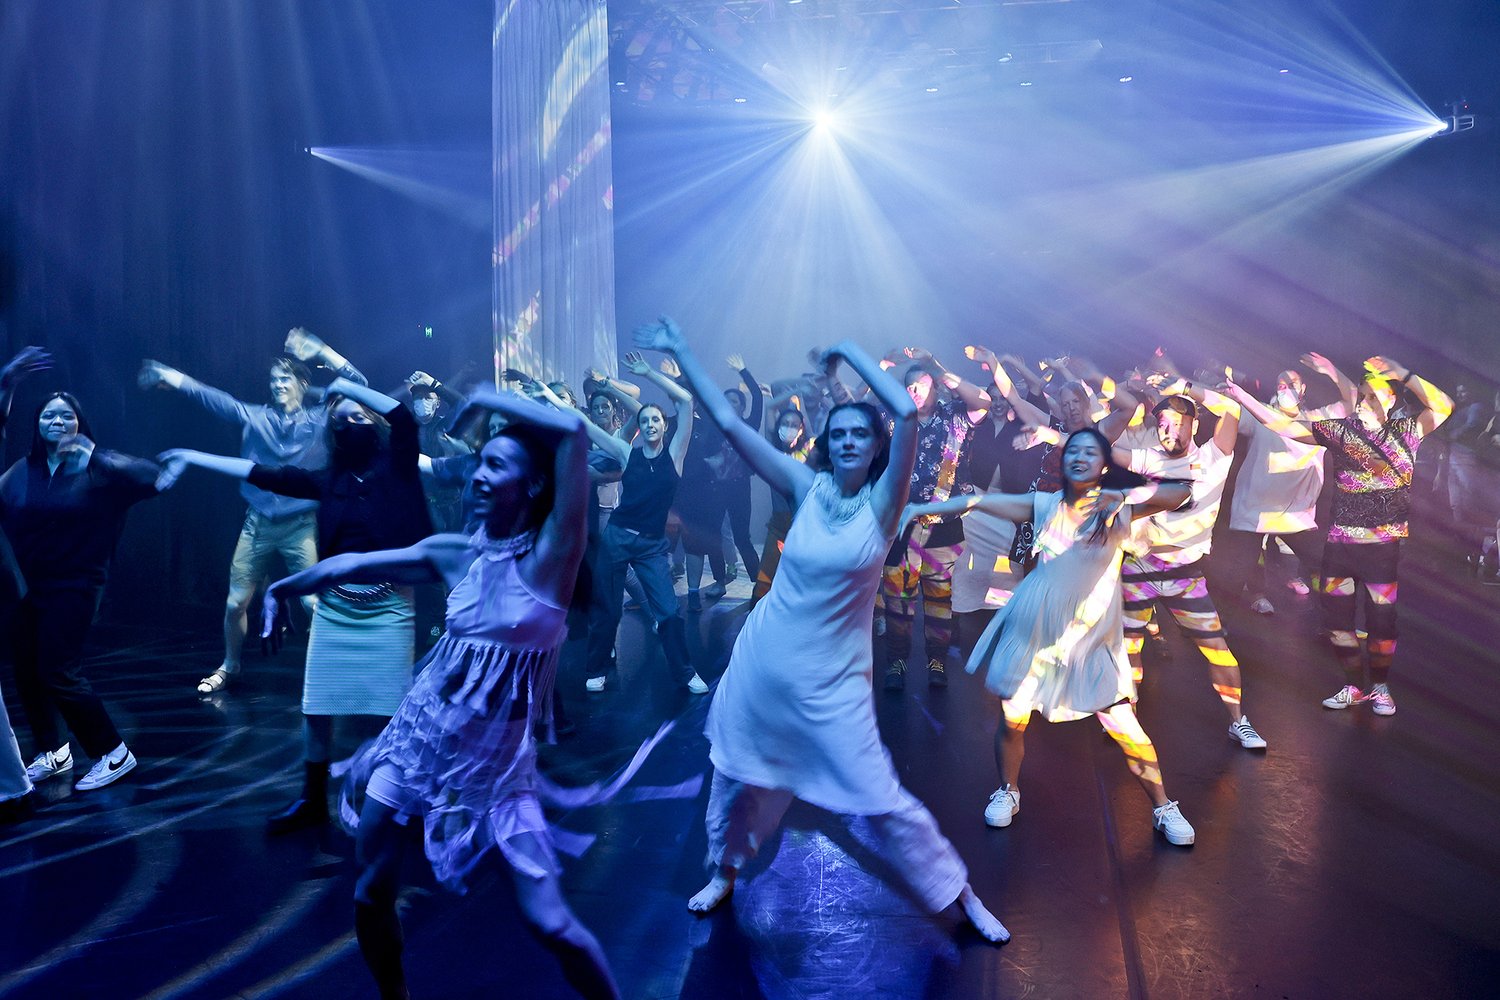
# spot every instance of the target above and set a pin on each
(840, 509)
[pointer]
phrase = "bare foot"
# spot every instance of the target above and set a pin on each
(983, 920)
(718, 889)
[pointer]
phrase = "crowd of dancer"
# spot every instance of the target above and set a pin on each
(1047, 511)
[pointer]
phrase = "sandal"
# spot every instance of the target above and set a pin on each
(214, 682)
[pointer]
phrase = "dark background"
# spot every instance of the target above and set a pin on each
(156, 201)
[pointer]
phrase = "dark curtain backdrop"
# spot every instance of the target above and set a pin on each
(156, 201)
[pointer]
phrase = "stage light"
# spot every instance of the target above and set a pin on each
(825, 120)
(932, 90)
(739, 100)
(1025, 83)
(1283, 71)
(1126, 79)
(1005, 58)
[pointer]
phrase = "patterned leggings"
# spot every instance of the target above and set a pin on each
(916, 571)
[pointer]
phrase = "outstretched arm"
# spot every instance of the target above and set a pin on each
(27, 361)
(304, 346)
(784, 474)
(177, 460)
(363, 394)
(1010, 506)
(1287, 427)
(155, 375)
(975, 399)
(612, 445)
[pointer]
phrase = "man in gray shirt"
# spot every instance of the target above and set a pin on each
(287, 431)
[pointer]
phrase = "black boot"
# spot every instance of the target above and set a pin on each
(308, 810)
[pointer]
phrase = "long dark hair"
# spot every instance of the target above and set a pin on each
(38, 444)
(1111, 477)
(539, 448)
(817, 458)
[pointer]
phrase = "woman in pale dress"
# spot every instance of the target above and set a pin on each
(459, 757)
(1058, 647)
(793, 716)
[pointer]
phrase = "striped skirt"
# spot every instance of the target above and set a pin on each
(359, 651)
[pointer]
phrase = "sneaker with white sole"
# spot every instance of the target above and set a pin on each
(110, 768)
(1347, 697)
(1381, 700)
(1004, 803)
(696, 685)
(1169, 820)
(1246, 734)
(1298, 586)
(50, 764)
(1261, 606)
(594, 684)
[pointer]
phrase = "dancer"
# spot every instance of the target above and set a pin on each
(635, 537)
(919, 566)
(1057, 647)
(63, 508)
(793, 716)
(16, 800)
(1275, 495)
(359, 650)
(1168, 552)
(287, 431)
(1372, 455)
(734, 475)
(459, 756)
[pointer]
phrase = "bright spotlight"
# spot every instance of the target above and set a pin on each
(825, 120)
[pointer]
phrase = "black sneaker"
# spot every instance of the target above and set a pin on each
(937, 674)
(895, 676)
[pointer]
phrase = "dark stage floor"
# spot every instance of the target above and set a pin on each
(1360, 857)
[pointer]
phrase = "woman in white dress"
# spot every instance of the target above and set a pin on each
(1058, 647)
(793, 716)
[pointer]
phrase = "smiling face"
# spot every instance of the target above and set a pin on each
(653, 425)
(502, 482)
(1083, 462)
(58, 420)
(287, 390)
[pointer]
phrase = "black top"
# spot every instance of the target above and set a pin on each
(64, 525)
(646, 492)
(379, 508)
(993, 447)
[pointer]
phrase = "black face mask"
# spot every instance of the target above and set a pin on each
(356, 442)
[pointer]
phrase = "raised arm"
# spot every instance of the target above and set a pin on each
(1348, 392)
(1221, 406)
(1026, 411)
(784, 474)
(678, 447)
(889, 495)
(757, 399)
(975, 399)
(612, 445)
(1288, 427)
(27, 361)
(1437, 405)
(306, 347)
(1122, 407)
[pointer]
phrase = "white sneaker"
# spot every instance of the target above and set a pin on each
(110, 768)
(1246, 734)
(1169, 820)
(594, 685)
(1261, 606)
(695, 685)
(1384, 704)
(50, 764)
(1004, 803)
(1348, 696)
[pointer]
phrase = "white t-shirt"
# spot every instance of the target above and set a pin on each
(1179, 537)
(1279, 482)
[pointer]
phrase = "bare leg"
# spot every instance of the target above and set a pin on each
(378, 848)
(1140, 755)
(559, 930)
(718, 889)
(236, 627)
(1010, 749)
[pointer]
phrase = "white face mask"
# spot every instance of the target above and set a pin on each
(789, 435)
(1287, 399)
(424, 407)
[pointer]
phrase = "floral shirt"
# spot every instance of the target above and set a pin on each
(1372, 471)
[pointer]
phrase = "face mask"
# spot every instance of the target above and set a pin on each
(357, 441)
(425, 408)
(1287, 399)
(789, 435)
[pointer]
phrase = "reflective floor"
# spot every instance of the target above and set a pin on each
(1359, 857)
